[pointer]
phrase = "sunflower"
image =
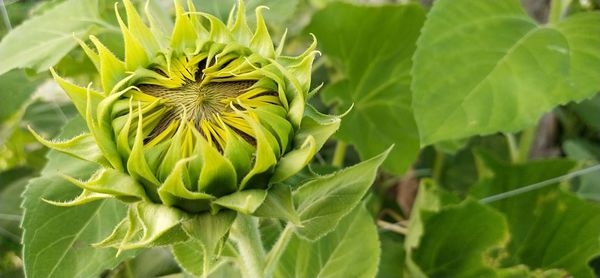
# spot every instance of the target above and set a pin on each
(195, 125)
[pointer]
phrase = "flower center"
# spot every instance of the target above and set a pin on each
(204, 104)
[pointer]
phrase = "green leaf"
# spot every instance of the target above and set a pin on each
(154, 262)
(351, 250)
(588, 111)
(278, 204)
(392, 256)
(566, 233)
(147, 225)
(469, 229)
(499, 70)
(48, 117)
(42, 41)
(18, 11)
(293, 161)
(496, 177)
(374, 56)
(582, 150)
(190, 256)
(56, 240)
(12, 185)
(19, 146)
(584, 55)
(245, 201)
(429, 201)
(550, 228)
(323, 201)
(318, 125)
(16, 90)
(521, 271)
(210, 230)
(279, 11)
(270, 231)
(451, 147)
(82, 146)
(440, 228)
(218, 8)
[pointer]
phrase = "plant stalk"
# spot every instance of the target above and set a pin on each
(438, 165)
(525, 143)
(339, 155)
(512, 147)
(278, 248)
(246, 235)
(539, 185)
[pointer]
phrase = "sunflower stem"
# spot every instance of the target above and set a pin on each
(277, 250)
(438, 165)
(525, 143)
(339, 155)
(512, 147)
(246, 235)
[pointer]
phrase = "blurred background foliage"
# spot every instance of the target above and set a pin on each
(539, 233)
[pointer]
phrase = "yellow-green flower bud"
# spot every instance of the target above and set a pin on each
(199, 123)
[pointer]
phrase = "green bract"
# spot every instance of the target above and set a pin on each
(192, 127)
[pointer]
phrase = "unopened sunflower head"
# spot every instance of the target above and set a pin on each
(196, 123)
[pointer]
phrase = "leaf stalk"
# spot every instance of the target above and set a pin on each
(339, 155)
(245, 233)
(278, 248)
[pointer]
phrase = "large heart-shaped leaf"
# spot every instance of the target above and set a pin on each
(486, 66)
(12, 184)
(42, 41)
(56, 240)
(372, 46)
(16, 90)
(351, 250)
(550, 228)
(190, 257)
(469, 229)
(279, 11)
(323, 201)
(587, 152)
(392, 256)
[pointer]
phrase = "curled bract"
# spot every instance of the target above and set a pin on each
(191, 125)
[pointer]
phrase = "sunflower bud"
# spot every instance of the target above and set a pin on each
(201, 123)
